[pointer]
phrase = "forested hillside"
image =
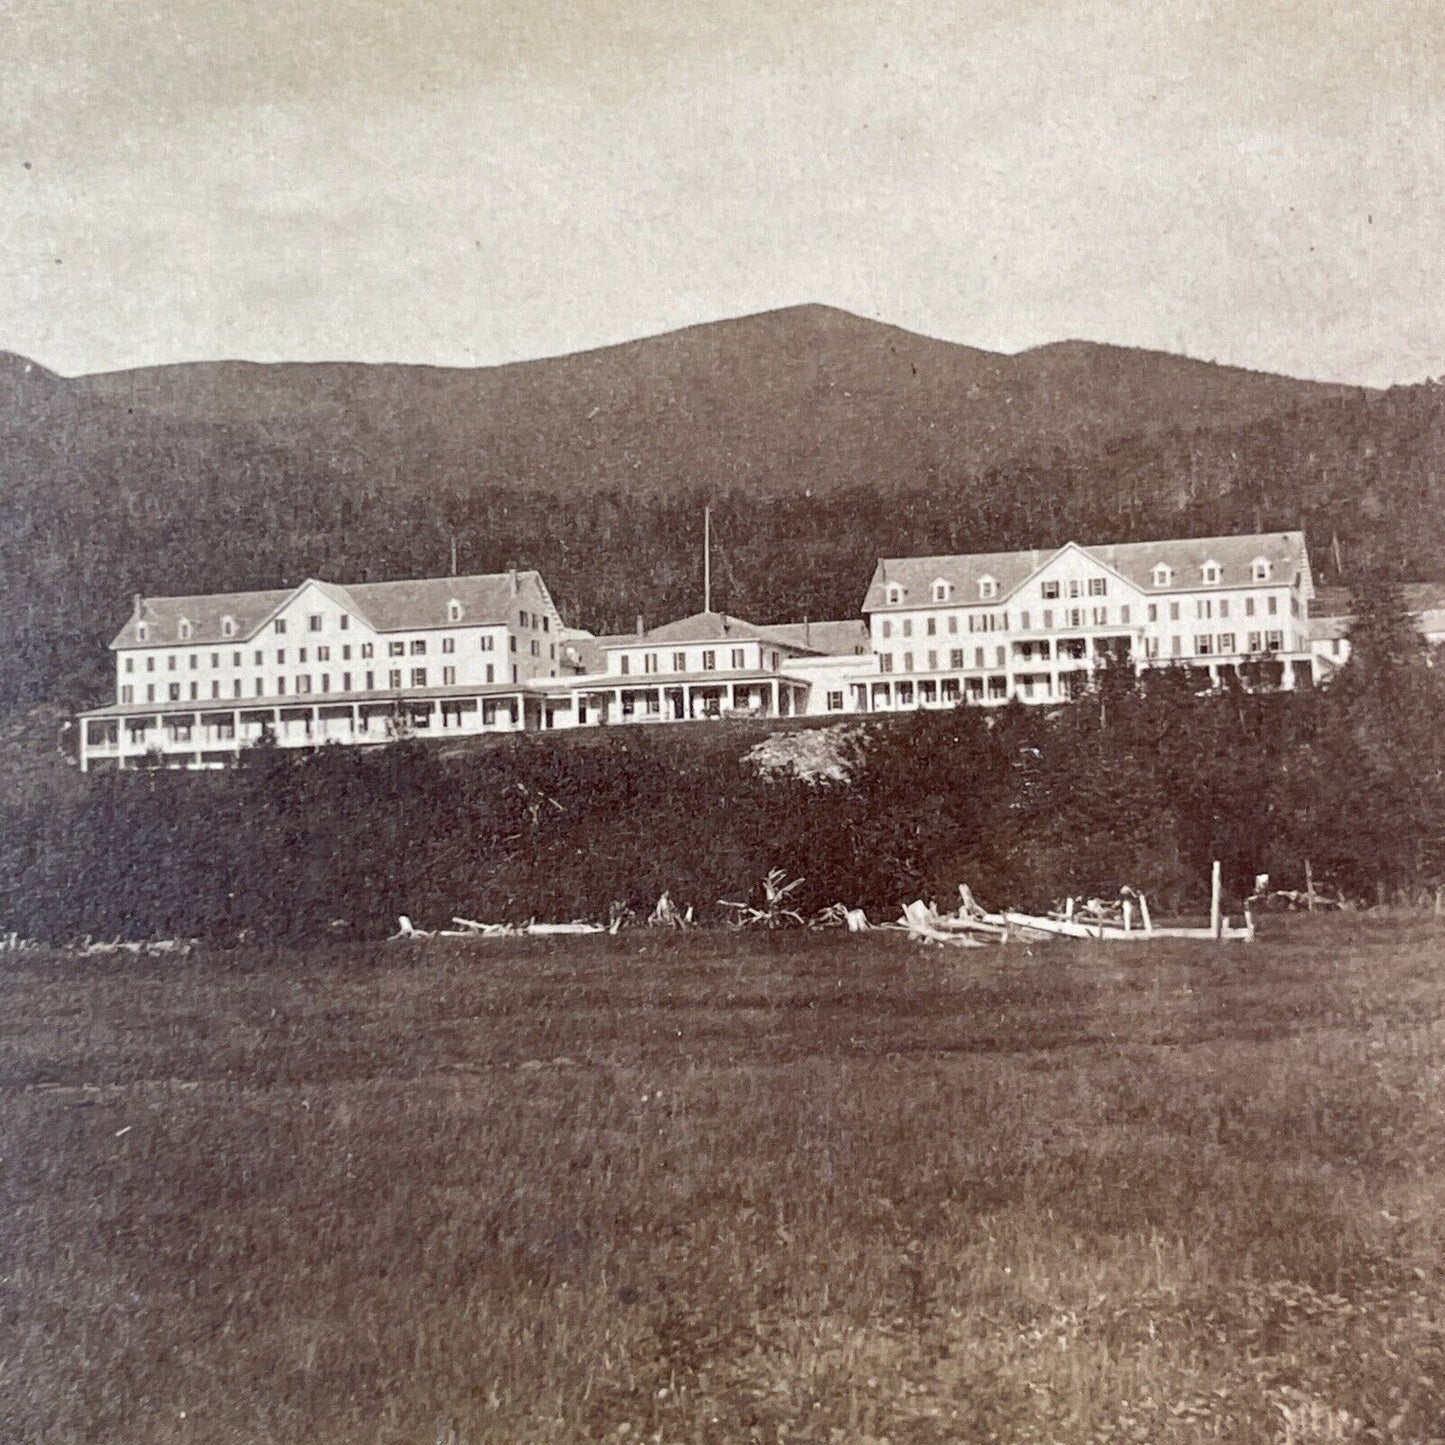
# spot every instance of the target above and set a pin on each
(821, 442)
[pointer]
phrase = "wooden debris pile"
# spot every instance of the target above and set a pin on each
(777, 909)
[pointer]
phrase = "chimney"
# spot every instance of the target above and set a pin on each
(512, 579)
(641, 625)
(807, 633)
(136, 604)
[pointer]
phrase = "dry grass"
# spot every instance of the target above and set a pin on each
(728, 1189)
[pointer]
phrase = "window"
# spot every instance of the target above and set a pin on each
(739, 659)
(142, 631)
(835, 702)
(171, 662)
(150, 692)
(942, 590)
(1224, 607)
(1098, 586)
(1024, 621)
(256, 658)
(228, 627)
(908, 627)
(1255, 642)
(368, 649)
(183, 630)
(396, 649)
(151, 664)
(280, 656)
(1048, 617)
(1259, 569)
(1100, 617)
(1000, 656)
(522, 618)
(215, 659)
(1204, 644)
(1274, 641)
(1124, 615)
(512, 644)
(1163, 575)
(418, 677)
(1174, 612)
(449, 676)
(1210, 572)
(346, 652)
(371, 681)
(303, 682)
(955, 658)
(908, 662)
(932, 627)
(978, 657)
(300, 654)
(281, 687)
(260, 688)
(932, 660)
(279, 627)
(1226, 642)
(235, 659)
(173, 691)
(486, 642)
(1204, 607)
(625, 665)
(418, 647)
(1176, 646)
(235, 687)
(491, 673)
(885, 662)
(709, 661)
(887, 627)
(449, 644)
(346, 682)
(130, 664)
(1249, 606)
(325, 682)
(987, 588)
(394, 677)
(344, 622)
(454, 611)
(1271, 604)
(535, 648)
(894, 594)
(1074, 617)
(1049, 591)
(323, 654)
(313, 622)
(679, 662)
(953, 624)
(127, 693)
(1074, 587)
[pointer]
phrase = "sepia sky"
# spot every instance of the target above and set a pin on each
(473, 181)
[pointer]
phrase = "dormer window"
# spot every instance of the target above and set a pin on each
(183, 629)
(942, 590)
(894, 593)
(1259, 569)
(987, 588)
(1210, 572)
(228, 627)
(454, 611)
(1163, 575)
(142, 631)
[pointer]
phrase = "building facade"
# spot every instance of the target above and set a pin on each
(1038, 626)
(200, 678)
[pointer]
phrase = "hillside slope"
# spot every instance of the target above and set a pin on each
(821, 440)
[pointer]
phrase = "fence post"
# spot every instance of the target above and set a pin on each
(1216, 917)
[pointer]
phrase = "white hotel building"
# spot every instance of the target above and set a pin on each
(200, 678)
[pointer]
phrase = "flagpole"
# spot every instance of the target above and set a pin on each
(707, 559)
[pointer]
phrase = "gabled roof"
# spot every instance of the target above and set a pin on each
(1134, 561)
(828, 639)
(415, 603)
(812, 637)
(700, 627)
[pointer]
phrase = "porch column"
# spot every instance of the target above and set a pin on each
(777, 707)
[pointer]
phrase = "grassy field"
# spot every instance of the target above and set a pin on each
(728, 1188)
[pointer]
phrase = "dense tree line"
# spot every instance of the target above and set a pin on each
(1137, 782)
(79, 534)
